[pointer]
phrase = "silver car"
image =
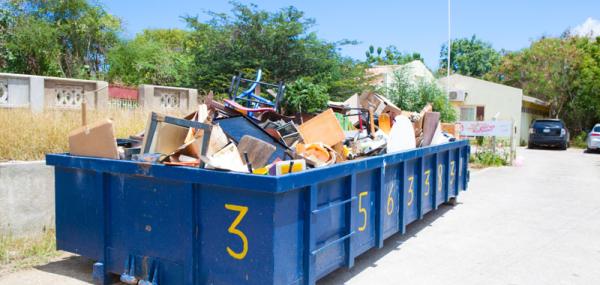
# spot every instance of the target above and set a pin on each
(593, 139)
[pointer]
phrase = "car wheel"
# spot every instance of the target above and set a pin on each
(564, 146)
(530, 146)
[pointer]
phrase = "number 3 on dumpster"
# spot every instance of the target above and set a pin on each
(233, 230)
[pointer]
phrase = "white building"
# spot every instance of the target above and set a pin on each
(480, 100)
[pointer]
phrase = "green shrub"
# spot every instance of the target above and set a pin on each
(413, 96)
(579, 140)
(488, 158)
(305, 96)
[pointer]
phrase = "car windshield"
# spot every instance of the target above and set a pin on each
(596, 129)
(547, 124)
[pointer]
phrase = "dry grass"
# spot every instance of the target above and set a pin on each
(29, 136)
(26, 252)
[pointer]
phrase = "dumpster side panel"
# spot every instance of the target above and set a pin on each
(236, 230)
(368, 190)
(79, 211)
(330, 223)
(428, 181)
(289, 244)
(440, 178)
(411, 190)
(392, 191)
(150, 220)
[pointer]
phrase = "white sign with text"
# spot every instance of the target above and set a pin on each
(485, 128)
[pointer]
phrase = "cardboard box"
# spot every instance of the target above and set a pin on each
(97, 140)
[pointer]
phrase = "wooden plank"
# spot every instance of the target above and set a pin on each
(323, 128)
(258, 151)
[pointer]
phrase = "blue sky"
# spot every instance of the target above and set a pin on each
(419, 26)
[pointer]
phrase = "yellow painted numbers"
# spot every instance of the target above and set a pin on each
(390, 203)
(427, 185)
(452, 172)
(233, 230)
(411, 190)
(440, 177)
(362, 210)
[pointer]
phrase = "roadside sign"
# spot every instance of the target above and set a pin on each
(485, 128)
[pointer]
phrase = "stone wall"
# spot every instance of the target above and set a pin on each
(41, 92)
(26, 198)
(164, 98)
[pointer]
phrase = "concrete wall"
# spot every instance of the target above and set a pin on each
(26, 198)
(495, 98)
(43, 92)
(166, 98)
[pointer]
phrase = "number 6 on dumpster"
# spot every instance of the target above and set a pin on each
(233, 230)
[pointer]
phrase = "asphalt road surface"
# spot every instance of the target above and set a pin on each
(538, 223)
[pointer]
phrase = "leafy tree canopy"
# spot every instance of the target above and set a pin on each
(391, 55)
(61, 38)
(470, 57)
(159, 57)
(281, 43)
(563, 71)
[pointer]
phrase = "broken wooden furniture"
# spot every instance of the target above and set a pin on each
(156, 119)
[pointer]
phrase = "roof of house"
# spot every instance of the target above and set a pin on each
(534, 100)
(378, 71)
(443, 79)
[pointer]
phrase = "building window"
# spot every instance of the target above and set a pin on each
(467, 113)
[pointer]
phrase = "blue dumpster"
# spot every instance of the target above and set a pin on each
(180, 225)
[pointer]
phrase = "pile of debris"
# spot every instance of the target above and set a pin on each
(219, 137)
(261, 141)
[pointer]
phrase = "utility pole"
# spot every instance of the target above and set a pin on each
(449, 53)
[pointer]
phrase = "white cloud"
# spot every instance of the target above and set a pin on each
(589, 28)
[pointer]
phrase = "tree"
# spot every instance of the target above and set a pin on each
(159, 57)
(410, 95)
(306, 97)
(562, 71)
(545, 70)
(280, 43)
(54, 37)
(391, 55)
(470, 57)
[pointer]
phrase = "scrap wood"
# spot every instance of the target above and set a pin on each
(239, 126)
(378, 104)
(97, 140)
(451, 128)
(227, 158)
(323, 128)
(258, 151)
(431, 122)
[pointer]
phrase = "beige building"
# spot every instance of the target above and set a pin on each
(480, 100)
(383, 75)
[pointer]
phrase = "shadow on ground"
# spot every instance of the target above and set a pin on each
(76, 267)
(393, 243)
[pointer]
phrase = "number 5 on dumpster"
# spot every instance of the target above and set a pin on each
(362, 210)
(233, 230)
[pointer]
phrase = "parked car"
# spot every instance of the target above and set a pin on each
(548, 132)
(593, 138)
